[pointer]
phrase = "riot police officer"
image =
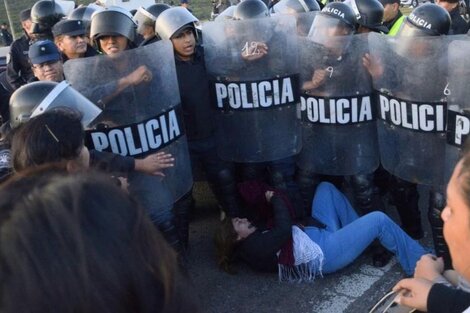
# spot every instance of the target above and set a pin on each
(145, 19)
(369, 16)
(44, 15)
(418, 58)
(178, 25)
(427, 20)
(295, 6)
(70, 38)
(84, 13)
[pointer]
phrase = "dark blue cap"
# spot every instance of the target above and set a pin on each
(43, 51)
(69, 28)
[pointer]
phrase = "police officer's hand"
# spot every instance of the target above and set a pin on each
(413, 293)
(429, 267)
(254, 51)
(318, 79)
(154, 164)
(372, 65)
(141, 74)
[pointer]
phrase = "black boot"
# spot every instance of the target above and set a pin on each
(169, 232)
(405, 197)
(363, 192)
(182, 210)
(225, 189)
(307, 182)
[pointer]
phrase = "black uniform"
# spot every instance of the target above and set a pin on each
(149, 41)
(19, 70)
(459, 25)
(6, 37)
(198, 115)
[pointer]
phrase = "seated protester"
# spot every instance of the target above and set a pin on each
(421, 292)
(275, 244)
(46, 61)
(70, 38)
(90, 249)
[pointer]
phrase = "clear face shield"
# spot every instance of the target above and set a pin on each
(330, 32)
(64, 96)
(414, 42)
(143, 18)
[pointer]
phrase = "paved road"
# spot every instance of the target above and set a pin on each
(352, 290)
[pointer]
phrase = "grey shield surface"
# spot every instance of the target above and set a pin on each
(458, 114)
(304, 22)
(411, 78)
(140, 119)
(338, 124)
(256, 100)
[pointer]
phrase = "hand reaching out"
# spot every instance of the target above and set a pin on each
(154, 164)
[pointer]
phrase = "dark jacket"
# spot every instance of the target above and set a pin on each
(193, 84)
(459, 25)
(149, 41)
(5, 37)
(19, 70)
(444, 299)
(260, 248)
(90, 52)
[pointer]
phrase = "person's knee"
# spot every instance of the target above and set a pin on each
(378, 217)
(326, 187)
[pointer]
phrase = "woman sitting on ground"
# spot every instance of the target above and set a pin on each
(274, 243)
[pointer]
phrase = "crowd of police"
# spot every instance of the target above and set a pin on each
(292, 92)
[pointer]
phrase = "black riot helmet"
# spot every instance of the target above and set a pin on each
(250, 9)
(84, 14)
(341, 12)
(369, 13)
(147, 17)
(173, 20)
(36, 98)
(157, 9)
(113, 21)
(44, 15)
(426, 20)
(295, 6)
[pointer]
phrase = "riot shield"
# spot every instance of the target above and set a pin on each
(255, 94)
(410, 74)
(139, 95)
(338, 122)
(458, 96)
(304, 22)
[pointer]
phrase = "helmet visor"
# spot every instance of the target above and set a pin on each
(330, 32)
(63, 95)
(143, 18)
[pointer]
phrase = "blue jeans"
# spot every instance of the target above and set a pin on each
(346, 235)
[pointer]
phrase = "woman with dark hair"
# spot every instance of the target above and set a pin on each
(67, 246)
(422, 292)
(55, 136)
(277, 244)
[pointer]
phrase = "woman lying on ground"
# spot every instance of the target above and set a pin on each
(274, 243)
